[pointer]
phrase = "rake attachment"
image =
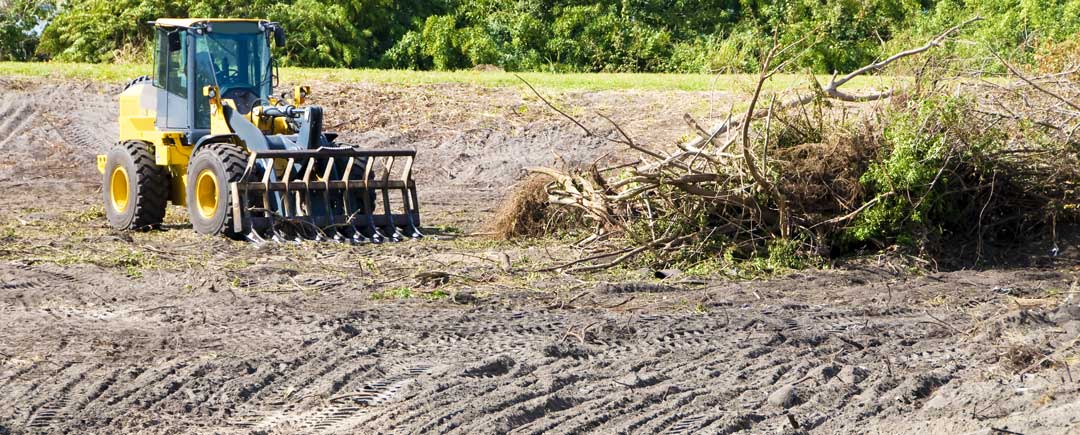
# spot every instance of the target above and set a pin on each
(329, 193)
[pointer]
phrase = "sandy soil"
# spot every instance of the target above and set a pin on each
(168, 332)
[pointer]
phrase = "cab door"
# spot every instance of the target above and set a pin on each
(171, 79)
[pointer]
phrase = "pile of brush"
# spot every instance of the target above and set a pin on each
(941, 163)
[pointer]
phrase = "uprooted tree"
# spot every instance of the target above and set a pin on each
(946, 161)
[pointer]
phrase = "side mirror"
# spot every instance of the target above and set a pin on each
(213, 95)
(279, 36)
(174, 41)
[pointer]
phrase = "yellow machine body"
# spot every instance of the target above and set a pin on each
(137, 119)
(256, 165)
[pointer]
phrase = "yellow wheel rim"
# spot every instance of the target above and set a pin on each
(118, 189)
(206, 193)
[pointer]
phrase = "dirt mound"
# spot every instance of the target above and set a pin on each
(467, 137)
(55, 128)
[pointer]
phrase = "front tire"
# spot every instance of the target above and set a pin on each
(134, 187)
(209, 199)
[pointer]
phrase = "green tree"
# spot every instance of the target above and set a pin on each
(560, 35)
(19, 20)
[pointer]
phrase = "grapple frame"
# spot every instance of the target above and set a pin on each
(328, 193)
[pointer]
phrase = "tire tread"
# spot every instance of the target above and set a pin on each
(152, 186)
(234, 159)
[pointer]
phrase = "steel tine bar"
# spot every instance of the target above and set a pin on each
(327, 173)
(390, 227)
(252, 162)
(272, 216)
(287, 194)
(407, 195)
(369, 207)
(276, 235)
(414, 205)
(269, 171)
(309, 170)
(254, 237)
(348, 204)
(346, 198)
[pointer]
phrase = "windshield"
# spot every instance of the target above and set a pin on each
(236, 58)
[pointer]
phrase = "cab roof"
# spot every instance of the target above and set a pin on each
(189, 22)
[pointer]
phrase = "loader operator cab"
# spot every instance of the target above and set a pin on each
(189, 55)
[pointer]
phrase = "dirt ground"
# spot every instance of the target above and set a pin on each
(168, 332)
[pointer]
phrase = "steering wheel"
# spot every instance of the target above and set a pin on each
(225, 77)
(244, 98)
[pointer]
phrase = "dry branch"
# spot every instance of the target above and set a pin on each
(685, 199)
(833, 88)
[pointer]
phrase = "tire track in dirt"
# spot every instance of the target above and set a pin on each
(49, 129)
(17, 114)
(494, 371)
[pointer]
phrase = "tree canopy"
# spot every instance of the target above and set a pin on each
(550, 35)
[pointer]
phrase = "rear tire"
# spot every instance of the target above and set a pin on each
(209, 199)
(135, 189)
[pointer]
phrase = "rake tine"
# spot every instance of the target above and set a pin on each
(288, 204)
(327, 173)
(407, 204)
(395, 235)
(297, 235)
(408, 200)
(410, 227)
(254, 237)
(369, 208)
(358, 236)
(337, 237)
(379, 237)
(307, 186)
(277, 234)
(415, 209)
(268, 173)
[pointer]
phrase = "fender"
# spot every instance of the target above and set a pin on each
(214, 138)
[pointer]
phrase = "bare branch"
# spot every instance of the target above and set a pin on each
(1036, 85)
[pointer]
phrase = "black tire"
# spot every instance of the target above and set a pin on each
(136, 81)
(226, 162)
(147, 187)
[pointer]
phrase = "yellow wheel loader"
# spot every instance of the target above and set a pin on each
(207, 131)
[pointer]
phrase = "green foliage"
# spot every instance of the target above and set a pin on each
(555, 35)
(340, 34)
(96, 30)
(403, 292)
(1011, 28)
(18, 20)
(92, 214)
(779, 256)
(927, 147)
(848, 33)
(436, 295)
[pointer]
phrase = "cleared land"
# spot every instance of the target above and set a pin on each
(171, 332)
